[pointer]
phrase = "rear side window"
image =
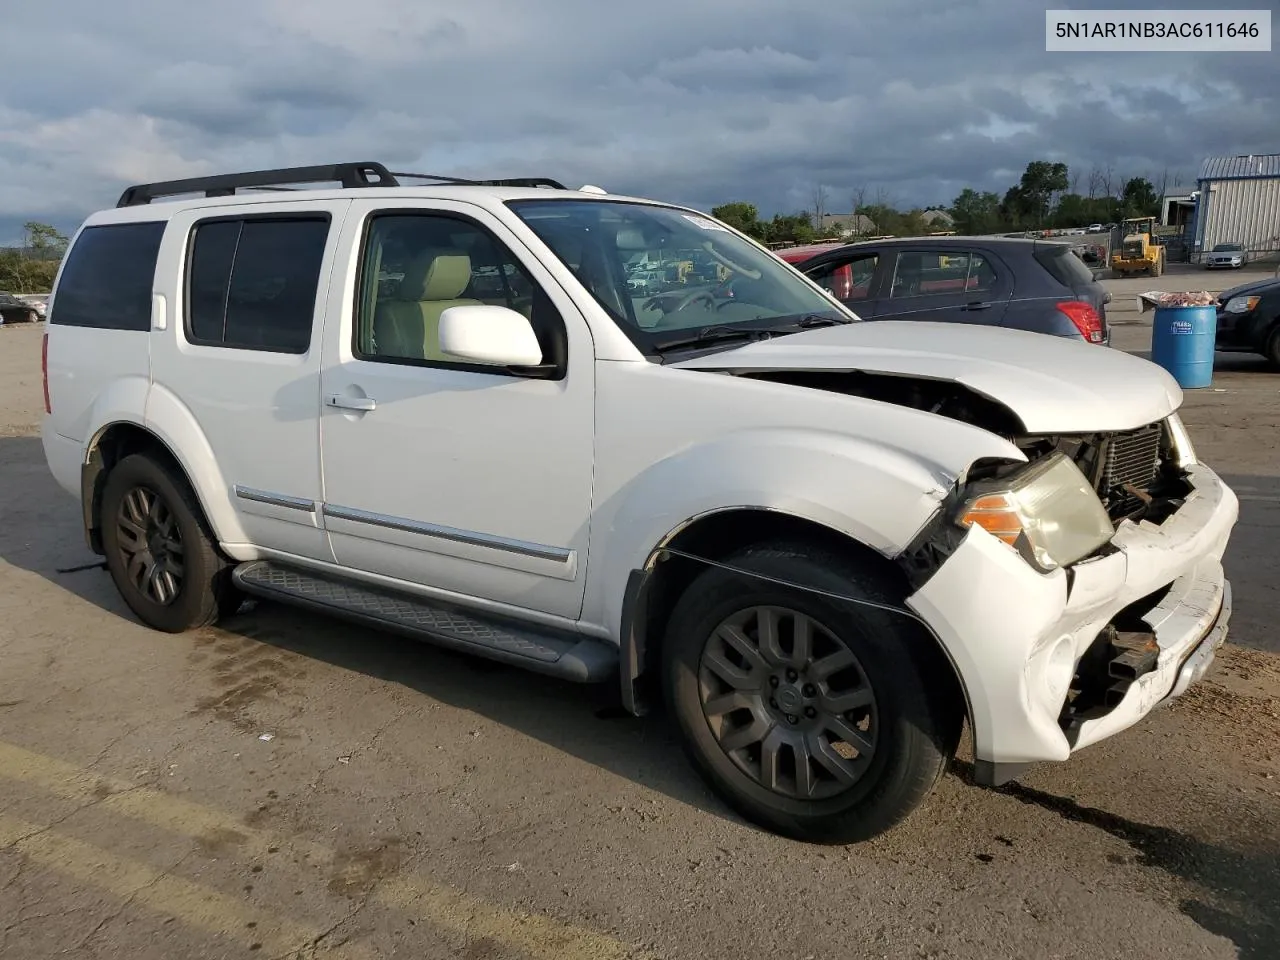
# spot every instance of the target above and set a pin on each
(107, 279)
(1064, 266)
(252, 282)
(922, 273)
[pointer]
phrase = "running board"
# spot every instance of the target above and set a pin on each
(542, 650)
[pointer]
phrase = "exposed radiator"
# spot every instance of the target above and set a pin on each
(1132, 457)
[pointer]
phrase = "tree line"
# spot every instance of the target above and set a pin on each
(32, 267)
(1049, 195)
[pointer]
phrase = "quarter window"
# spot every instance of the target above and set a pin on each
(107, 279)
(252, 282)
(415, 266)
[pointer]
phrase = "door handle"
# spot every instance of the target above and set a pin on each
(977, 305)
(351, 403)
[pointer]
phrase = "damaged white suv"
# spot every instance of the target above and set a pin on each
(602, 437)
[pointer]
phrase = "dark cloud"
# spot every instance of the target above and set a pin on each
(694, 102)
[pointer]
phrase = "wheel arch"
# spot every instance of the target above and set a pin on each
(112, 443)
(653, 590)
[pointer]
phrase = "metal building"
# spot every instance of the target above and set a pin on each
(1239, 202)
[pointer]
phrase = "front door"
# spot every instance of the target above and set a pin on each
(473, 481)
(853, 279)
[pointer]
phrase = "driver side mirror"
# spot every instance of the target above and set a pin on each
(494, 336)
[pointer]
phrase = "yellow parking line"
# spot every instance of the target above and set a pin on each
(139, 883)
(445, 908)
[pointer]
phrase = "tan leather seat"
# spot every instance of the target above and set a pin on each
(408, 325)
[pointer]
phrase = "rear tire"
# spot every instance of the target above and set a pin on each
(818, 749)
(160, 551)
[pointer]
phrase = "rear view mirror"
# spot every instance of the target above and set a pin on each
(491, 335)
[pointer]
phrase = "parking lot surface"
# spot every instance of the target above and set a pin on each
(288, 786)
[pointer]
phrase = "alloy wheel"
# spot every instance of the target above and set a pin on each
(788, 702)
(151, 547)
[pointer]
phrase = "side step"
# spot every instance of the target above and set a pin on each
(540, 649)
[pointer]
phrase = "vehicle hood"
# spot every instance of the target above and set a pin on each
(1053, 384)
(1258, 287)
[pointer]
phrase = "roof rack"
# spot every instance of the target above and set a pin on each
(349, 175)
(364, 174)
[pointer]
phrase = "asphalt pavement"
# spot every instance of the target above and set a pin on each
(288, 786)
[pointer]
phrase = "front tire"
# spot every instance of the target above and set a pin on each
(159, 549)
(1272, 349)
(820, 719)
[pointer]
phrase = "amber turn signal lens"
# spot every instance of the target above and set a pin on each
(995, 514)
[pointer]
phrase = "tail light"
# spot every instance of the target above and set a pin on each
(1086, 319)
(44, 372)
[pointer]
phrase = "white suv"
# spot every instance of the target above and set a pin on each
(442, 409)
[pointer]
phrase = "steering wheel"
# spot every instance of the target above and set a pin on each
(694, 298)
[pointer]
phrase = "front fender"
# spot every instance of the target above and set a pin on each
(869, 491)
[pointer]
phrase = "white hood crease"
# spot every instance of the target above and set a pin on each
(1053, 385)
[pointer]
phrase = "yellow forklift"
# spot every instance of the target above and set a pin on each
(1140, 249)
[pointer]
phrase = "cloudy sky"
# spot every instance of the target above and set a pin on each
(698, 102)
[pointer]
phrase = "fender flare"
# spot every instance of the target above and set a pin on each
(174, 427)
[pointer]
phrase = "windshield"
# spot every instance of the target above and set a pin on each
(1227, 248)
(658, 270)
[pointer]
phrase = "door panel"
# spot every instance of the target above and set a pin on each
(448, 474)
(245, 288)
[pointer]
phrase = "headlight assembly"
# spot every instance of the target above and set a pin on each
(1241, 304)
(1048, 511)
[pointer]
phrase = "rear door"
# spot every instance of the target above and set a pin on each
(952, 284)
(240, 347)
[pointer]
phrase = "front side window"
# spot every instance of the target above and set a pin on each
(848, 280)
(107, 279)
(662, 273)
(414, 266)
(252, 282)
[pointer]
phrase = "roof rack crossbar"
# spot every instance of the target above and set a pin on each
(350, 175)
(507, 182)
(437, 177)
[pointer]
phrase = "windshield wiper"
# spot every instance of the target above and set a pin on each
(713, 335)
(818, 320)
(722, 332)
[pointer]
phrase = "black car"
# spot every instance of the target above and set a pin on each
(1034, 285)
(1249, 320)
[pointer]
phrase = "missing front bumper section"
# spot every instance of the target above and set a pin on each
(1124, 652)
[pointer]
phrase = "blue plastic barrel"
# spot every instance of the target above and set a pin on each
(1182, 341)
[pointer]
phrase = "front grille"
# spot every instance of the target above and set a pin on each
(1130, 459)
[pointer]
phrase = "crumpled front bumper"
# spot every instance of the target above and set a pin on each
(1013, 633)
